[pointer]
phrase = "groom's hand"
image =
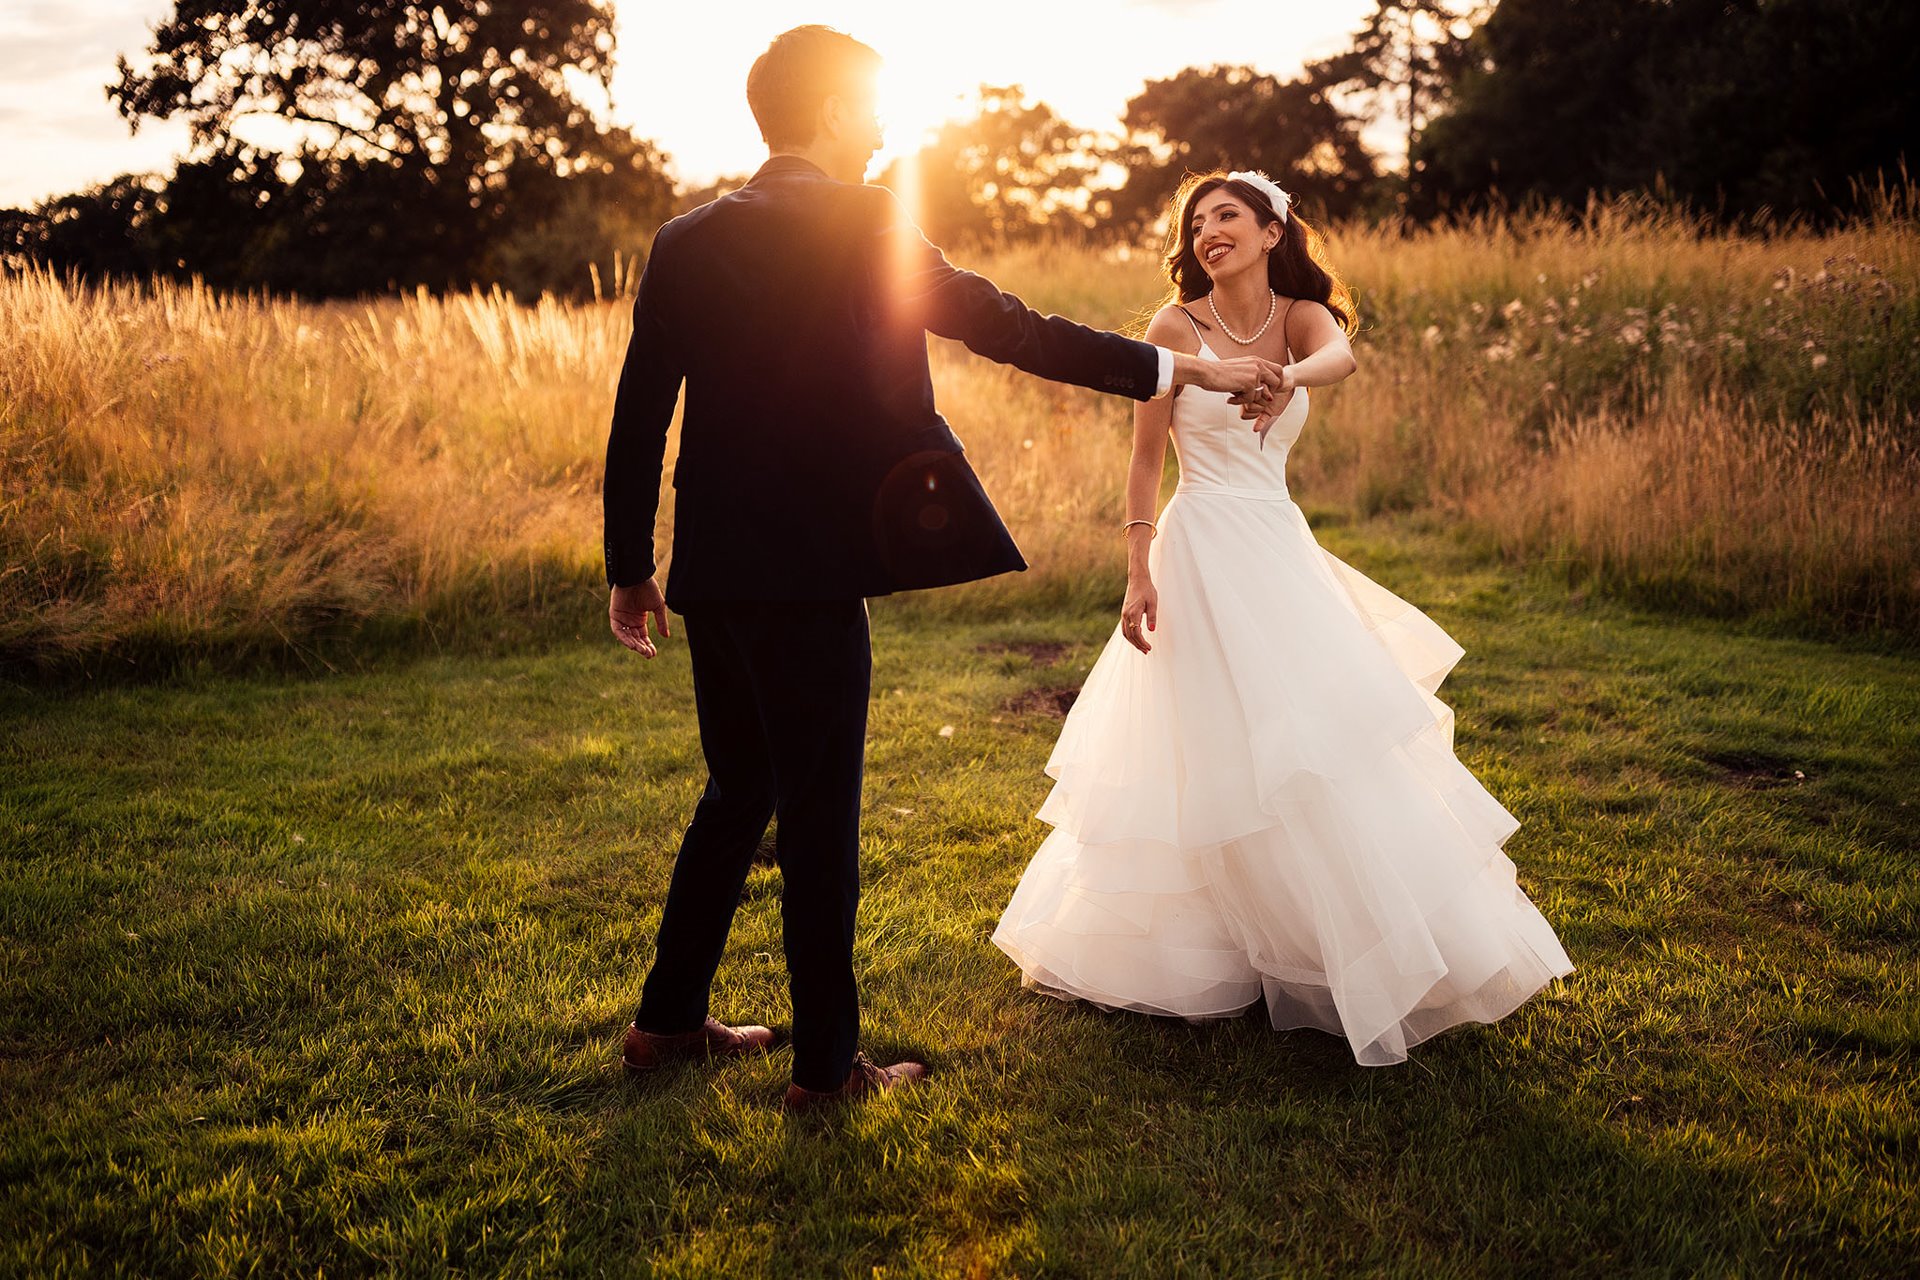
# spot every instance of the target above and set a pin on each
(1238, 376)
(629, 611)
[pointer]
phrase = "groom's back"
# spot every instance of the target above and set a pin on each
(805, 379)
(813, 464)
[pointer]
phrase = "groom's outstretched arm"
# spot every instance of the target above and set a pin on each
(924, 290)
(637, 443)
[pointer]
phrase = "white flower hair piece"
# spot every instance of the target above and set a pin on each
(1279, 199)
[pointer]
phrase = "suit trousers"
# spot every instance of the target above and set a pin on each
(781, 691)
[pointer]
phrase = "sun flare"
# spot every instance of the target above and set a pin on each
(913, 103)
(1084, 60)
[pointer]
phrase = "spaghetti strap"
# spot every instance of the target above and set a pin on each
(1284, 339)
(1195, 323)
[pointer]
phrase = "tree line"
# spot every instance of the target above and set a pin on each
(449, 144)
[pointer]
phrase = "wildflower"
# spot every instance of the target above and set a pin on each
(1431, 337)
(1819, 359)
(1513, 309)
(1498, 352)
(946, 731)
(1632, 335)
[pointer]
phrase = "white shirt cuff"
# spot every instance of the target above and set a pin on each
(1166, 373)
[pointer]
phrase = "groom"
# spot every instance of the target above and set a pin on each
(813, 472)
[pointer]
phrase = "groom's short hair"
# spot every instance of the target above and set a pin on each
(801, 69)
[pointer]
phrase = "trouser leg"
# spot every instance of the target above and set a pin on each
(717, 849)
(814, 666)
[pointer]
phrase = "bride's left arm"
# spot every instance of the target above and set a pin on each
(1324, 356)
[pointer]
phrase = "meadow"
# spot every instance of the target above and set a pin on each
(1712, 423)
(325, 975)
(318, 933)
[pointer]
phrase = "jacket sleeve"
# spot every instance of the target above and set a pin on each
(636, 445)
(923, 289)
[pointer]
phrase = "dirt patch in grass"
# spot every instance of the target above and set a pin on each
(1043, 702)
(1042, 652)
(1754, 768)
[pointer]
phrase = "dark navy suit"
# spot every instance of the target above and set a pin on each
(813, 472)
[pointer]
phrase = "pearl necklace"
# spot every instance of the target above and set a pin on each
(1273, 304)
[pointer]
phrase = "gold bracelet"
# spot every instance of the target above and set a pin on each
(1150, 524)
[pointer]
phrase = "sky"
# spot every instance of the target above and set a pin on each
(681, 77)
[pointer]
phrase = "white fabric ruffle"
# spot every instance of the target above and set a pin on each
(1268, 806)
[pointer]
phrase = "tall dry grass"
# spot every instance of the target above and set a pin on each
(185, 472)
(1712, 421)
(1716, 422)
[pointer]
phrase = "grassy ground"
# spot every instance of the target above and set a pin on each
(306, 975)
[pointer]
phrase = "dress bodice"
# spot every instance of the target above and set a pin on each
(1218, 450)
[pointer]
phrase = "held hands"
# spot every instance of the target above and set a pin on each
(1266, 402)
(628, 612)
(1140, 612)
(1259, 387)
(1238, 377)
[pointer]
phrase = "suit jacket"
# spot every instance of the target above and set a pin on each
(812, 463)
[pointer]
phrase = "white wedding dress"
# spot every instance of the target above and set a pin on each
(1268, 806)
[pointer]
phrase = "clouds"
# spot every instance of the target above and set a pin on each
(41, 42)
(58, 131)
(1178, 8)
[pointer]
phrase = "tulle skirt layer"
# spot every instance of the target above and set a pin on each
(1268, 807)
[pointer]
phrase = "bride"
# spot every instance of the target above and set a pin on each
(1256, 796)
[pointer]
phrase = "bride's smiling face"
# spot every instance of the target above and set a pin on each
(1226, 235)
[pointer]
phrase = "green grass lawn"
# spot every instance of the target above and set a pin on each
(327, 974)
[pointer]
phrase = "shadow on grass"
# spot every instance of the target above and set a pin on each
(1123, 1144)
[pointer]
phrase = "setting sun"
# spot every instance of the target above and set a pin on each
(1083, 60)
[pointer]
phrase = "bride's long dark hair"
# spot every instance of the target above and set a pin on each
(1298, 267)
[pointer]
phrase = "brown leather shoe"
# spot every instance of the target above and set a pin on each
(644, 1050)
(867, 1077)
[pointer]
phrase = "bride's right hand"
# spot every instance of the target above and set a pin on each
(1139, 613)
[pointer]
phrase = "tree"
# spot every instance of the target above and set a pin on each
(408, 137)
(104, 230)
(1012, 171)
(1236, 118)
(1734, 106)
(1403, 58)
